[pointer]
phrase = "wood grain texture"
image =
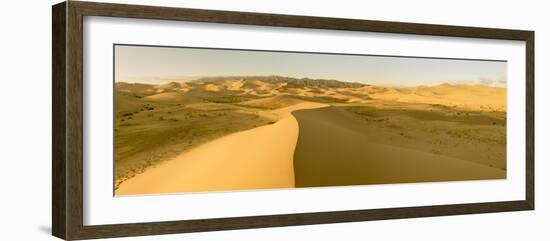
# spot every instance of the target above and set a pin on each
(75, 120)
(58, 121)
(67, 78)
(530, 120)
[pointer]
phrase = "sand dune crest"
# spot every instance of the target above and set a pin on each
(259, 158)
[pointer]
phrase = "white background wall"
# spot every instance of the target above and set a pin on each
(25, 120)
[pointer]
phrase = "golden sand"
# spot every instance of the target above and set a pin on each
(259, 158)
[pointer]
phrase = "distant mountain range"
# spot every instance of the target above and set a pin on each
(290, 82)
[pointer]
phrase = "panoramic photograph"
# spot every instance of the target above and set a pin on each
(192, 120)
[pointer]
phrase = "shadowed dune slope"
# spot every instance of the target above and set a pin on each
(332, 151)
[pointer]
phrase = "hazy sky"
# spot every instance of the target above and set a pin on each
(164, 64)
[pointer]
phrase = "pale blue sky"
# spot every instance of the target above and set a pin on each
(165, 64)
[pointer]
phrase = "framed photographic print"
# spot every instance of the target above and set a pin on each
(172, 120)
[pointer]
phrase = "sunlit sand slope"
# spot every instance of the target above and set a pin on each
(331, 151)
(259, 158)
(473, 97)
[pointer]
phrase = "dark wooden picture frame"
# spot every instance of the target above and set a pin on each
(67, 124)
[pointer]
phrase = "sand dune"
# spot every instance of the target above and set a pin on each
(172, 97)
(476, 97)
(187, 137)
(259, 158)
(272, 102)
(331, 151)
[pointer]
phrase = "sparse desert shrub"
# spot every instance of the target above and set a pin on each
(127, 114)
(161, 118)
(173, 119)
(271, 122)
